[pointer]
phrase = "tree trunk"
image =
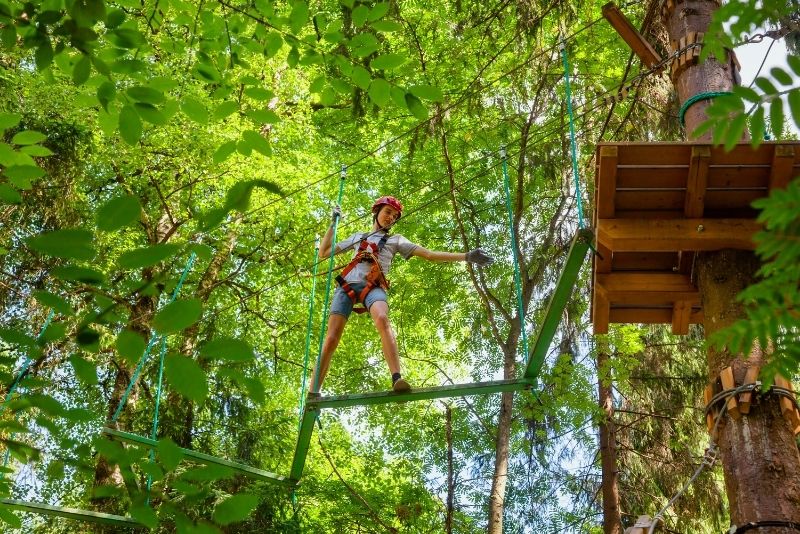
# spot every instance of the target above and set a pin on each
(760, 459)
(612, 521)
(448, 522)
(497, 495)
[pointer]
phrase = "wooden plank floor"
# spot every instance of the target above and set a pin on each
(656, 205)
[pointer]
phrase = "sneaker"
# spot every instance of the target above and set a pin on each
(401, 386)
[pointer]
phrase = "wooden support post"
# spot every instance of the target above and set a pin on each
(667, 235)
(697, 182)
(788, 407)
(642, 526)
(746, 398)
(607, 182)
(630, 35)
(728, 382)
(681, 312)
(782, 170)
(708, 394)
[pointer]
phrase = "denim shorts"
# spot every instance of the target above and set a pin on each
(342, 305)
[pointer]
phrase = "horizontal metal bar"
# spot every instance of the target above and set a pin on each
(246, 470)
(564, 287)
(385, 397)
(70, 513)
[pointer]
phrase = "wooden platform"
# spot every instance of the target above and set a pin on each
(656, 205)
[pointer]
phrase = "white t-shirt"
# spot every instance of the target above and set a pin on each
(394, 245)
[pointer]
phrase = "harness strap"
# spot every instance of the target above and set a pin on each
(367, 252)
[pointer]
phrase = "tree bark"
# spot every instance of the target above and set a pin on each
(760, 458)
(612, 520)
(448, 522)
(497, 495)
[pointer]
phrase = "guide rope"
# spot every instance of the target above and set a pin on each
(315, 385)
(572, 134)
(154, 338)
(309, 327)
(516, 254)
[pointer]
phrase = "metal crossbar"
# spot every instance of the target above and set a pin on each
(70, 513)
(200, 457)
(566, 283)
(313, 407)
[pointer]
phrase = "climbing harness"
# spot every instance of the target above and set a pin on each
(367, 253)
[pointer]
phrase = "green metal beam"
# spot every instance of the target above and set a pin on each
(303, 441)
(246, 470)
(440, 392)
(566, 282)
(70, 513)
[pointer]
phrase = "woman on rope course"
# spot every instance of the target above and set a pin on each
(363, 281)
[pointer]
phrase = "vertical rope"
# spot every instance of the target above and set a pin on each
(20, 375)
(516, 254)
(309, 327)
(154, 431)
(315, 386)
(151, 343)
(572, 135)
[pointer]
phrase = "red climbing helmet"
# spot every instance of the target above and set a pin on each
(387, 201)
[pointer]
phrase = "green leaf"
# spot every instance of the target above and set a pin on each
(794, 63)
(145, 515)
(379, 92)
(130, 125)
(169, 454)
(223, 152)
(44, 55)
(9, 120)
(361, 77)
(186, 377)
(68, 243)
(428, 92)
(758, 127)
(399, 97)
(147, 256)
(273, 43)
(293, 57)
(794, 105)
(386, 26)
(258, 93)
(127, 38)
(85, 370)
(21, 175)
(387, 61)
(226, 108)
(195, 110)
(257, 142)
(765, 85)
(378, 11)
(264, 116)
(8, 517)
(228, 348)
(235, 508)
(735, 130)
(28, 137)
(177, 315)
(299, 16)
(359, 15)
(36, 151)
(118, 213)
(82, 70)
(776, 117)
(54, 301)
(15, 337)
(71, 273)
(130, 345)
(782, 76)
(150, 113)
(255, 389)
(9, 195)
(148, 95)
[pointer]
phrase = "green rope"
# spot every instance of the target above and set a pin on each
(516, 254)
(572, 135)
(315, 386)
(153, 340)
(309, 327)
(20, 375)
(154, 432)
(692, 100)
